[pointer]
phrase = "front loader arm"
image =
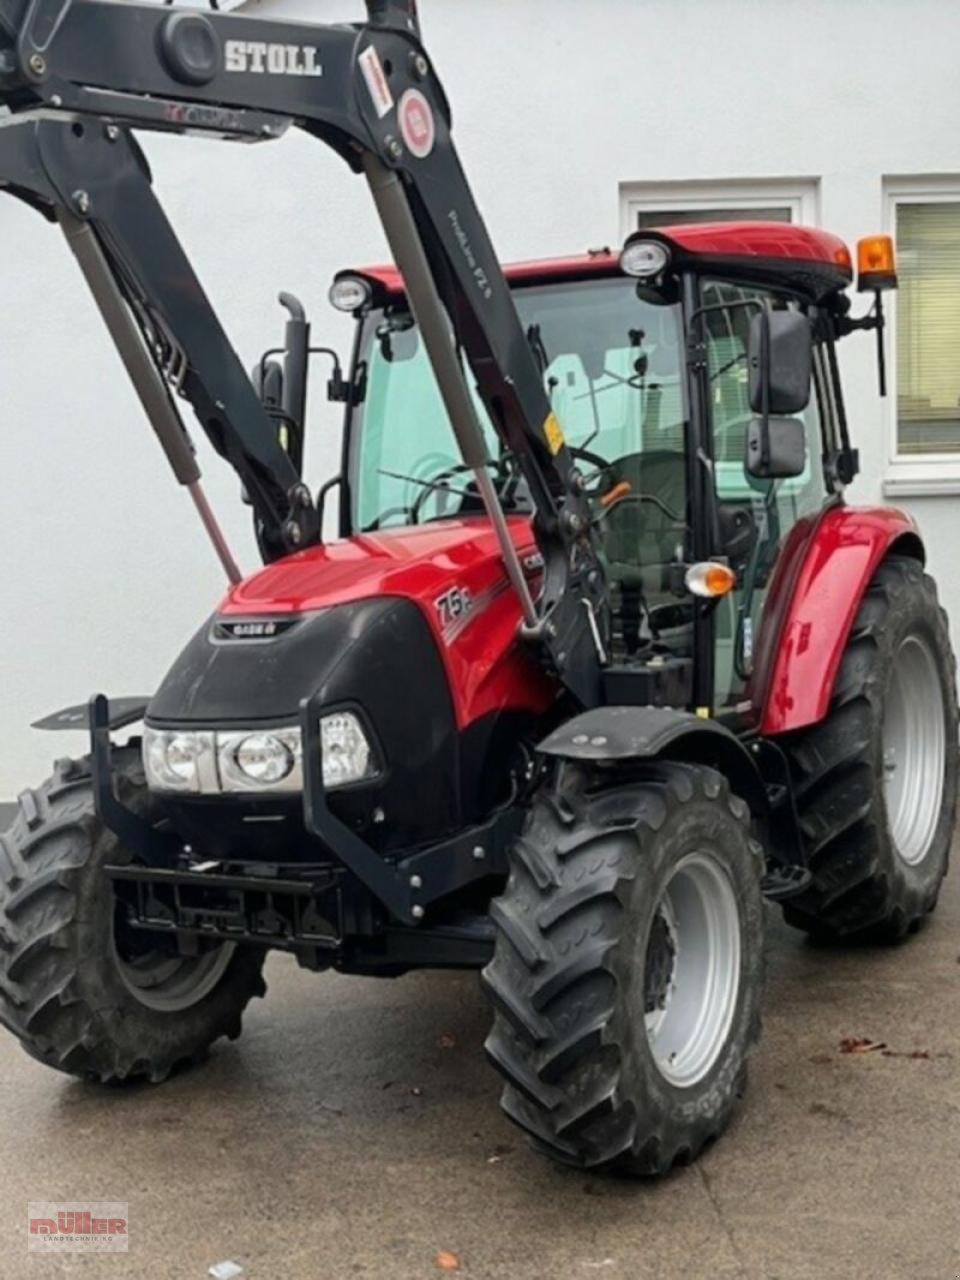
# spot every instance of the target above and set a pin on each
(78, 74)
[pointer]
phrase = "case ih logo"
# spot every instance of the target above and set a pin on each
(252, 628)
(260, 58)
(78, 1228)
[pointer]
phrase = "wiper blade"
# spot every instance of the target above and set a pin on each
(426, 484)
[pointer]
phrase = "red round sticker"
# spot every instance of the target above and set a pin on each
(417, 124)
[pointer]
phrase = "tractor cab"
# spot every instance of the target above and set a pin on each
(646, 360)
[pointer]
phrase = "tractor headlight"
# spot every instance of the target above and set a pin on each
(260, 761)
(347, 756)
(644, 258)
(255, 761)
(178, 760)
(350, 293)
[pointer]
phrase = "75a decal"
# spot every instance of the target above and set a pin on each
(453, 607)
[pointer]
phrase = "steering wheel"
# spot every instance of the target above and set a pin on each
(436, 486)
(600, 465)
(430, 462)
(459, 469)
(378, 524)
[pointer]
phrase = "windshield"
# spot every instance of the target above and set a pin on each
(611, 366)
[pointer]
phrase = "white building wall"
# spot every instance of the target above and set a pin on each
(105, 573)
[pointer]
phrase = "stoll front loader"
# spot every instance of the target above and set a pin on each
(599, 660)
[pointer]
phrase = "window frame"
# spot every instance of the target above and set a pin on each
(906, 474)
(744, 713)
(800, 195)
(356, 425)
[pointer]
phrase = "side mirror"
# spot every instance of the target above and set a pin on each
(780, 361)
(776, 448)
(399, 339)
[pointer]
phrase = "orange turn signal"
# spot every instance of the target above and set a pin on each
(710, 579)
(876, 264)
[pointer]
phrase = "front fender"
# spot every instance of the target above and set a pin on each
(121, 712)
(626, 735)
(812, 608)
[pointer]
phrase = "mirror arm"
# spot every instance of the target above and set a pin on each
(765, 389)
(877, 321)
(337, 389)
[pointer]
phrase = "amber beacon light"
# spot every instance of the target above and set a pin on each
(876, 264)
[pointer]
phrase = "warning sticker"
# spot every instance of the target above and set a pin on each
(376, 79)
(417, 125)
(554, 433)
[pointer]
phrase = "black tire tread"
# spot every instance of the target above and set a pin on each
(552, 980)
(842, 816)
(43, 855)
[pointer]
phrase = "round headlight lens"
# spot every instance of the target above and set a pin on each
(264, 759)
(180, 757)
(177, 760)
(644, 258)
(350, 293)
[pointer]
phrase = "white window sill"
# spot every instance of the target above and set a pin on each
(927, 479)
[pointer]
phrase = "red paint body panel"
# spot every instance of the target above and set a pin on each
(761, 240)
(843, 550)
(712, 239)
(820, 579)
(488, 668)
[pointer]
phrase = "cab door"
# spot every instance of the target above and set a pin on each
(753, 517)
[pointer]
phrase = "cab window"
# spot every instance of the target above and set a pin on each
(755, 516)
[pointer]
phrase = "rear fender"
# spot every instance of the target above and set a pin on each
(811, 609)
(611, 735)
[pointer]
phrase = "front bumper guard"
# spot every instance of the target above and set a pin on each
(406, 887)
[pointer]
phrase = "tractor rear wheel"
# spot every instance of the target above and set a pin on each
(627, 973)
(876, 781)
(81, 990)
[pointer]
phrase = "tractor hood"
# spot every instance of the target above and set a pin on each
(395, 611)
(413, 632)
(418, 564)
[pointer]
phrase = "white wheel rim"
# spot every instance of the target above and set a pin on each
(173, 984)
(692, 970)
(914, 750)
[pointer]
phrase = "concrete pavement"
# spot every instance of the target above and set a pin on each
(353, 1131)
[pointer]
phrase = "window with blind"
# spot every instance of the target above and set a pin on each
(928, 327)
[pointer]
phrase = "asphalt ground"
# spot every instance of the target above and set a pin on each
(354, 1131)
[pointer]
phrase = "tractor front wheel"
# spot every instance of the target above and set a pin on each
(626, 979)
(82, 990)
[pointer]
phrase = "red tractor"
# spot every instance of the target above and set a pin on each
(600, 657)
